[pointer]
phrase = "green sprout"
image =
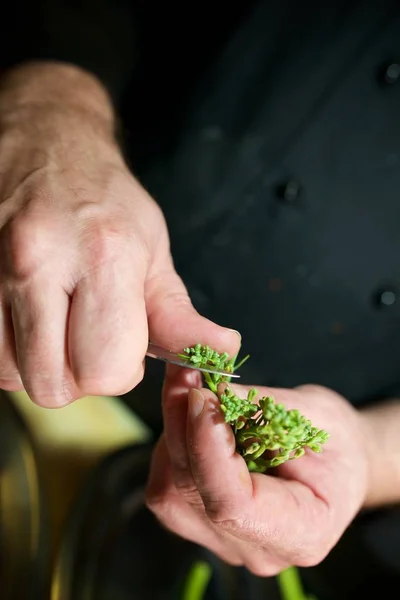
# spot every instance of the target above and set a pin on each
(266, 433)
(204, 356)
(197, 581)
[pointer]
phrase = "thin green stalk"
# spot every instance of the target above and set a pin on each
(209, 381)
(290, 585)
(197, 581)
(241, 363)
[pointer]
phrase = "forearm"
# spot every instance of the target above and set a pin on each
(52, 113)
(382, 426)
(48, 96)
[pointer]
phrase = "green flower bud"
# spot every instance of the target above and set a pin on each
(315, 447)
(252, 448)
(299, 453)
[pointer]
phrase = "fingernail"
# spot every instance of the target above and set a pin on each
(237, 333)
(196, 403)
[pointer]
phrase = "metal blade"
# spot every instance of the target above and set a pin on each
(154, 351)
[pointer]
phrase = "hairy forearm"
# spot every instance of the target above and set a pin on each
(382, 426)
(53, 114)
(39, 99)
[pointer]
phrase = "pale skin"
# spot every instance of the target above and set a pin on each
(86, 273)
(294, 515)
(86, 276)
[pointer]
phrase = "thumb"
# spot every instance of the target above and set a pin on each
(219, 473)
(283, 516)
(175, 324)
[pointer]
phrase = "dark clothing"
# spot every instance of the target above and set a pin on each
(270, 135)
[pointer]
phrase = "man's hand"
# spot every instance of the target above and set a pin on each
(86, 273)
(201, 489)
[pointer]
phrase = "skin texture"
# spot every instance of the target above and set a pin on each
(201, 489)
(86, 274)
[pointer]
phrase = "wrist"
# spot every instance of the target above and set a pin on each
(53, 114)
(381, 424)
(54, 103)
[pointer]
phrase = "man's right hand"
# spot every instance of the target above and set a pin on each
(86, 274)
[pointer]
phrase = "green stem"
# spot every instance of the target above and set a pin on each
(290, 585)
(236, 367)
(209, 380)
(197, 581)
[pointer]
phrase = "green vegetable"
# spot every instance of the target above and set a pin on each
(267, 434)
(197, 581)
(290, 585)
(205, 356)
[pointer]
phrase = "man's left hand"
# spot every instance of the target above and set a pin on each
(200, 488)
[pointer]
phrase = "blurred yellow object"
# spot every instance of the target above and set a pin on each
(24, 548)
(70, 441)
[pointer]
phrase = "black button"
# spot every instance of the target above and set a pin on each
(289, 192)
(385, 297)
(390, 73)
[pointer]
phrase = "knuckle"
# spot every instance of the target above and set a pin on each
(104, 238)
(313, 389)
(311, 552)
(311, 557)
(24, 246)
(159, 500)
(184, 484)
(264, 569)
(233, 561)
(155, 502)
(163, 508)
(314, 544)
(223, 515)
(188, 491)
(102, 245)
(179, 300)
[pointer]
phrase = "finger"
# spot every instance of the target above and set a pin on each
(39, 314)
(220, 474)
(10, 379)
(108, 330)
(286, 515)
(178, 512)
(173, 321)
(163, 499)
(175, 402)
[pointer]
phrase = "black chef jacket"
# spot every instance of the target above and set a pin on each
(269, 133)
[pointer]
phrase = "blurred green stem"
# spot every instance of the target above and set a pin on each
(290, 585)
(197, 581)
